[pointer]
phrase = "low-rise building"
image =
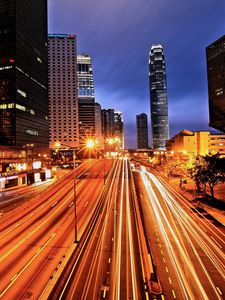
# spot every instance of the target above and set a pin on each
(196, 143)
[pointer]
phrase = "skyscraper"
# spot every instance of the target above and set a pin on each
(86, 97)
(108, 123)
(98, 126)
(119, 129)
(142, 131)
(23, 74)
(215, 55)
(158, 97)
(63, 90)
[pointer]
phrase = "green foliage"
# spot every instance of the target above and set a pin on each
(208, 171)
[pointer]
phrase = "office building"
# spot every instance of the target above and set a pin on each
(142, 131)
(108, 123)
(23, 76)
(215, 55)
(86, 98)
(118, 130)
(63, 90)
(158, 97)
(98, 126)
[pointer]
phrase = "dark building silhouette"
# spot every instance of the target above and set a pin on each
(142, 131)
(119, 129)
(108, 123)
(158, 97)
(23, 74)
(215, 55)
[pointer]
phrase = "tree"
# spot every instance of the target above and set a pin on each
(208, 171)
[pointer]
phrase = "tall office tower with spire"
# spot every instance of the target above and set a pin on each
(142, 131)
(158, 97)
(23, 74)
(63, 90)
(86, 98)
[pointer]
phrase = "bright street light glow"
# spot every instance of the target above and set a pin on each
(90, 144)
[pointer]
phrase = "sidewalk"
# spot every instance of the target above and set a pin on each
(215, 208)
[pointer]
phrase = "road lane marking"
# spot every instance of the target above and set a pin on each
(160, 246)
(32, 232)
(161, 252)
(14, 276)
(219, 290)
(164, 260)
(146, 295)
(170, 280)
(26, 266)
(109, 261)
(162, 296)
(174, 295)
(167, 270)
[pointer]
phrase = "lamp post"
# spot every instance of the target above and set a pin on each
(74, 191)
(75, 198)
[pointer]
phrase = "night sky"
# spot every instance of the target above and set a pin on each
(118, 35)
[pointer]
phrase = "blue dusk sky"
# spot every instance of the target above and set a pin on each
(118, 35)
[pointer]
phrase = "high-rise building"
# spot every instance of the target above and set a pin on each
(215, 55)
(23, 74)
(158, 97)
(108, 123)
(142, 131)
(98, 126)
(86, 98)
(119, 129)
(63, 90)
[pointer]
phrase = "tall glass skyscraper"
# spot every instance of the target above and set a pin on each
(23, 74)
(158, 97)
(86, 98)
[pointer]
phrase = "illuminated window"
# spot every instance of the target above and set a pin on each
(22, 93)
(20, 107)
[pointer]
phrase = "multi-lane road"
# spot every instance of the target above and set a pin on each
(188, 250)
(36, 235)
(109, 265)
(137, 238)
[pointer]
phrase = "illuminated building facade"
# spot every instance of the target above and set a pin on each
(142, 131)
(62, 82)
(215, 54)
(196, 143)
(158, 97)
(86, 98)
(23, 74)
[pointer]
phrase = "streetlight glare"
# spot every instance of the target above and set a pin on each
(90, 144)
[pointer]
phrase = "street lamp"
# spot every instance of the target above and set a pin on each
(74, 190)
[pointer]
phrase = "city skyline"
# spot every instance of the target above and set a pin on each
(127, 46)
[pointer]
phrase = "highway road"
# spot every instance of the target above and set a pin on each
(36, 235)
(187, 248)
(109, 265)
